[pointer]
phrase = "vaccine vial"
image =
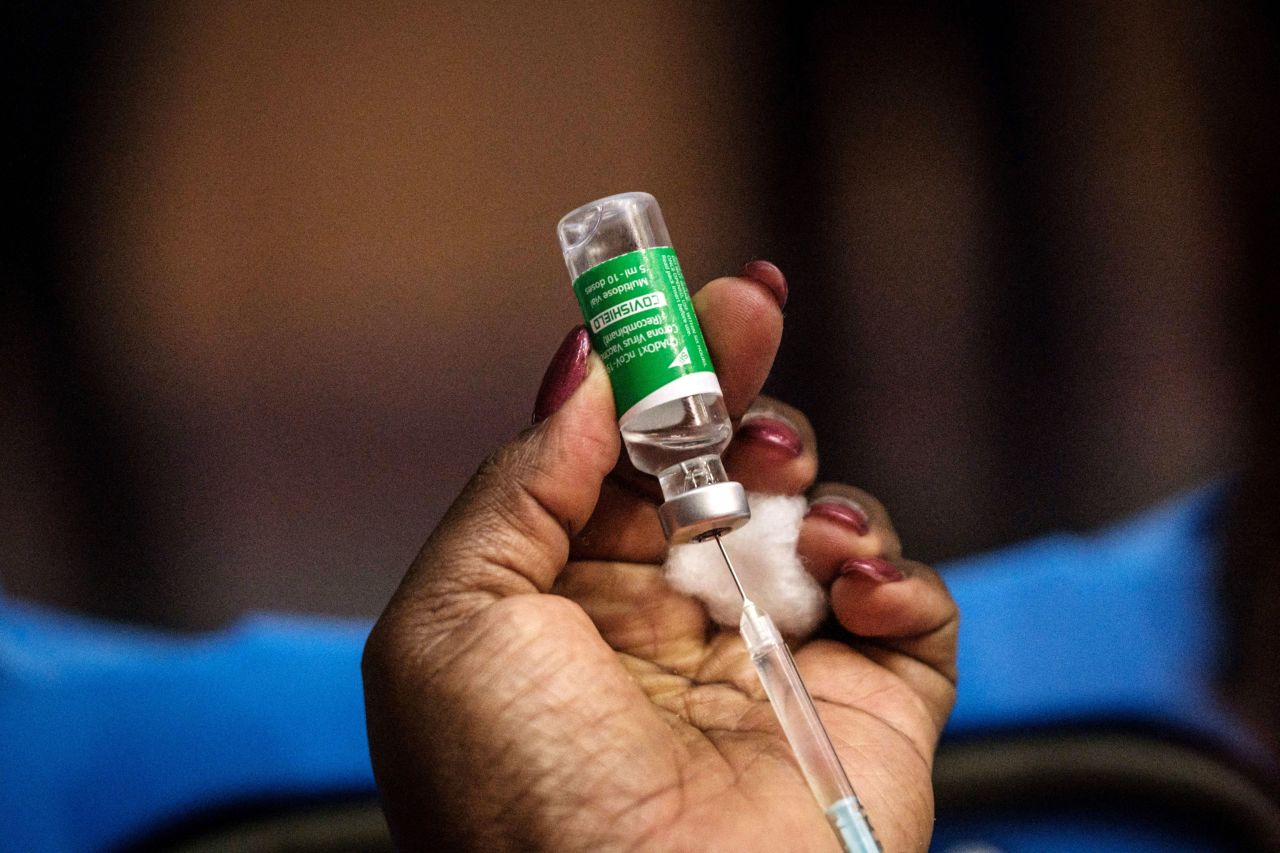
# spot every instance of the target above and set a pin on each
(638, 312)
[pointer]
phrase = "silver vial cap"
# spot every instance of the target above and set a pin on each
(704, 510)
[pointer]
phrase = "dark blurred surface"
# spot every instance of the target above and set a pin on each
(285, 273)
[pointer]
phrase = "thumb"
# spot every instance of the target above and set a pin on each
(508, 532)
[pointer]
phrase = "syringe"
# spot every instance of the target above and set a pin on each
(800, 723)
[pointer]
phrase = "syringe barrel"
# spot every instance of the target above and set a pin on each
(804, 730)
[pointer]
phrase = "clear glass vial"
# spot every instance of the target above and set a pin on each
(672, 415)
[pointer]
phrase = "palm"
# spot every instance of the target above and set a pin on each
(613, 715)
(724, 774)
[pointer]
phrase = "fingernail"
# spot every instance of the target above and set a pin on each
(880, 571)
(842, 511)
(564, 374)
(771, 432)
(770, 276)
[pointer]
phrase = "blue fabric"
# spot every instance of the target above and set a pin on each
(108, 731)
(1117, 625)
(1063, 834)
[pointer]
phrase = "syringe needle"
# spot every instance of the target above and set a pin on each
(732, 572)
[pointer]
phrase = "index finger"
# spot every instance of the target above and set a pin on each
(742, 323)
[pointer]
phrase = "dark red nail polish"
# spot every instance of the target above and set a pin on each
(841, 511)
(770, 276)
(564, 374)
(879, 570)
(771, 432)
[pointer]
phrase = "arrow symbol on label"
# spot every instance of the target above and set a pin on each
(682, 360)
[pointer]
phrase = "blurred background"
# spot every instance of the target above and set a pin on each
(283, 274)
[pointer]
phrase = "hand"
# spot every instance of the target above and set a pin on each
(535, 684)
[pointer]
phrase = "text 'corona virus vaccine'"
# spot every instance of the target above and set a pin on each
(670, 408)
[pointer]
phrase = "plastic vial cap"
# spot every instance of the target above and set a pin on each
(608, 227)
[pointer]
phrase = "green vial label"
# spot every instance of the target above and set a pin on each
(642, 324)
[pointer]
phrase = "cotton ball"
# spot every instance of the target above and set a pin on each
(764, 553)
